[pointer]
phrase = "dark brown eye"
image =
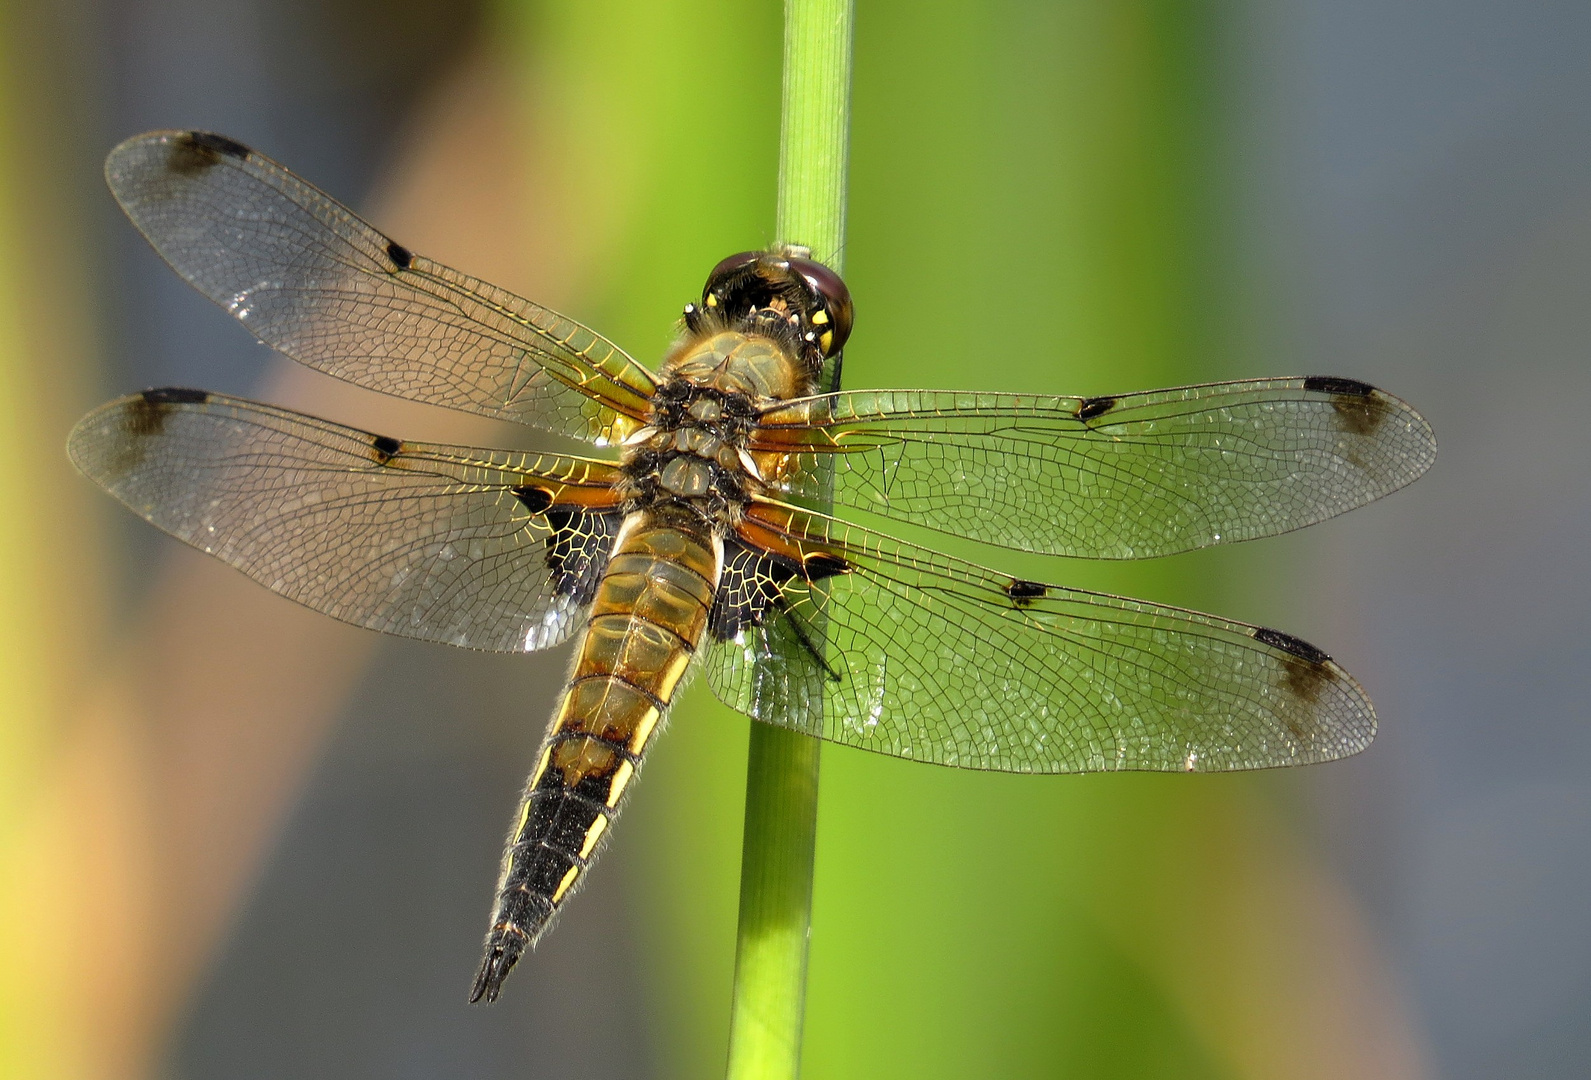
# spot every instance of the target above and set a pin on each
(728, 267)
(836, 299)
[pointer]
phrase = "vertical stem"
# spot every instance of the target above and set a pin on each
(775, 905)
(782, 773)
(814, 128)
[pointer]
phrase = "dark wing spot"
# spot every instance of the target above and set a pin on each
(578, 549)
(220, 144)
(820, 565)
(146, 415)
(1307, 671)
(1289, 644)
(1095, 407)
(1359, 410)
(175, 395)
(1359, 415)
(1023, 593)
(401, 256)
(385, 446)
(198, 151)
(535, 499)
(1331, 384)
(750, 596)
(748, 589)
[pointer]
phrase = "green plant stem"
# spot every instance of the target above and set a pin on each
(782, 771)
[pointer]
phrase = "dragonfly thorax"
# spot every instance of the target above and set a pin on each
(692, 452)
(753, 366)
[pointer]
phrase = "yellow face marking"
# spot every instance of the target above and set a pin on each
(643, 730)
(712, 301)
(621, 777)
(826, 340)
(593, 834)
(563, 886)
(820, 318)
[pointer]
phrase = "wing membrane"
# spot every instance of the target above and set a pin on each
(433, 542)
(308, 277)
(927, 657)
(1124, 477)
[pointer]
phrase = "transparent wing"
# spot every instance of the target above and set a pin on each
(918, 655)
(481, 548)
(309, 278)
(1108, 478)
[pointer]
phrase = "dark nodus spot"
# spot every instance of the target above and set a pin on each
(1289, 644)
(197, 151)
(401, 256)
(1095, 406)
(1331, 384)
(535, 499)
(1025, 592)
(385, 446)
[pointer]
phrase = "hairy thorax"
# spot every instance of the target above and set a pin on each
(692, 457)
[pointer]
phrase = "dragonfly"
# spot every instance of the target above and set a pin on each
(689, 538)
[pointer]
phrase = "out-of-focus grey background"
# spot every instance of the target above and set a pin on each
(1412, 197)
(1421, 197)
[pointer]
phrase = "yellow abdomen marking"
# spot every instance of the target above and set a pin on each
(621, 778)
(593, 834)
(563, 886)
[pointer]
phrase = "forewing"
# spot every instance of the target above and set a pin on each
(482, 548)
(911, 653)
(308, 277)
(1108, 478)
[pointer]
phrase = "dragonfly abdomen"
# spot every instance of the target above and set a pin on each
(648, 617)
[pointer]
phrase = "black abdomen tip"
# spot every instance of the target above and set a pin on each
(502, 953)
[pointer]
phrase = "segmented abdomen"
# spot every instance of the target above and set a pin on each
(649, 615)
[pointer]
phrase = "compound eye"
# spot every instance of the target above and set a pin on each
(727, 268)
(835, 299)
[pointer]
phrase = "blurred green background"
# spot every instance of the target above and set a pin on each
(237, 840)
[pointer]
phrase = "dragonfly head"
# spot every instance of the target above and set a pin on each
(784, 293)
